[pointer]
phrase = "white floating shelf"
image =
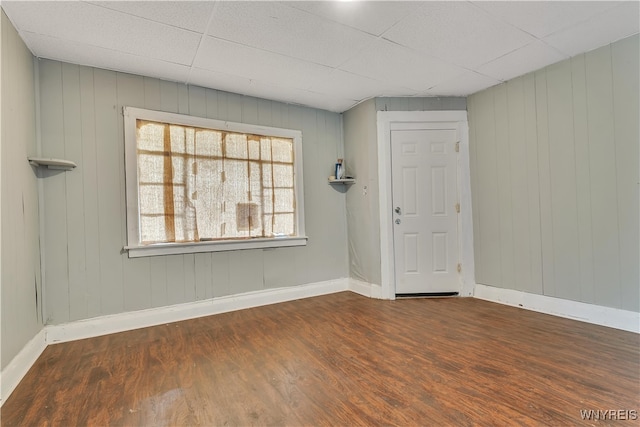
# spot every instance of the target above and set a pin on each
(343, 181)
(58, 164)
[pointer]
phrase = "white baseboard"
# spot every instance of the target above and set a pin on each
(364, 288)
(157, 316)
(596, 314)
(13, 373)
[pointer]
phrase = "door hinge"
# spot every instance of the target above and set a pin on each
(457, 207)
(458, 147)
(459, 268)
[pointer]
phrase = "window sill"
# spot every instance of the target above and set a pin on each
(215, 246)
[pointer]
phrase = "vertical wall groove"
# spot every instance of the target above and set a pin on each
(581, 120)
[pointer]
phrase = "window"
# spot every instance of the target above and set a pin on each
(201, 185)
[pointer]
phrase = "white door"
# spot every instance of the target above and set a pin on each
(425, 196)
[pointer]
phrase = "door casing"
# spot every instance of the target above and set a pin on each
(387, 120)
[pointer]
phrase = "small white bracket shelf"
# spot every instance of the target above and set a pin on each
(344, 181)
(57, 164)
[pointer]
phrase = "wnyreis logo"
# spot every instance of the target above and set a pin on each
(609, 414)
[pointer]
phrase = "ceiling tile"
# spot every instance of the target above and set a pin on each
(457, 32)
(76, 53)
(232, 58)
(542, 18)
(259, 89)
(373, 17)
(190, 15)
(617, 23)
(396, 65)
(97, 26)
(463, 84)
(522, 61)
(343, 84)
(302, 97)
(220, 81)
(282, 29)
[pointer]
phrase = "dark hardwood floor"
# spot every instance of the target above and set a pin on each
(339, 360)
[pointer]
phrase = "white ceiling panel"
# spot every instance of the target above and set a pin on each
(324, 54)
(542, 18)
(457, 32)
(388, 62)
(371, 17)
(190, 15)
(462, 85)
(528, 58)
(96, 26)
(259, 89)
(300, 97)
(231, 58)
(341, 83)
(617, 23)
(286, 30)
(75, 53)
(220, 81)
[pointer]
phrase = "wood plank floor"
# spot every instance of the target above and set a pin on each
(338, 359)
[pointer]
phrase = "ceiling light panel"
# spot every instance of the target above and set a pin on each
(286, 30)
(457, 32)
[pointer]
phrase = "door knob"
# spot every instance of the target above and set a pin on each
(398, 211)
(398, 221)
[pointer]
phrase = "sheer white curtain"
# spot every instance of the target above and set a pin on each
(199, 184)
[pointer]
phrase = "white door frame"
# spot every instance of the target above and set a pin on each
(385, 119)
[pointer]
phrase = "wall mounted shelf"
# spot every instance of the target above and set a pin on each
(344, 181)
(58, 164)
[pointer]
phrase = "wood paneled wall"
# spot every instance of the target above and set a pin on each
(554, 170)
(21, 280)
(87, 274)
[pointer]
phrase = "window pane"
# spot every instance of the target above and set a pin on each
(236, 190)
(283, 175)
(152, 229)
(267, 175)
(209, 143)
(151, 199)
(254, 147)
(236, 146)
(283, 225)
(150, 136)
(267, 200)
(177, 139)
(209, 201)
(265, 148)
(282, 150)
(150, 168)
(283, 200)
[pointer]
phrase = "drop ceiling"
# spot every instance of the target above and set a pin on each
(324, 54)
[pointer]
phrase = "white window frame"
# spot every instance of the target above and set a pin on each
(135, 249)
